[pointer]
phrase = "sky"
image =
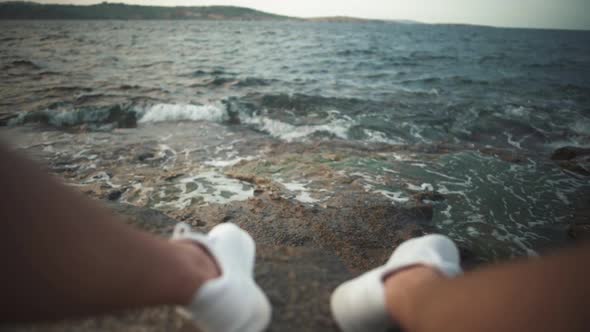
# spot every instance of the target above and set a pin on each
(553, 14)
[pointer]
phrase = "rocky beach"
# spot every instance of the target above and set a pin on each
(309, 238)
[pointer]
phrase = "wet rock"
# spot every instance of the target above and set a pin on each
(420, 213)
(575, 167)
(573, 159)
(433, 196)
(64, 167)
(6, 117)
(96, 190)
(360, 228)
(247, 177)
(173, 176)
(569, 153)
(94, 117)
(122, 118)
(114, 195)
(145, 155)
(191, 186)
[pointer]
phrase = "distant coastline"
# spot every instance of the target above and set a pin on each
(19, 10)
(27, 10)
(22, 10)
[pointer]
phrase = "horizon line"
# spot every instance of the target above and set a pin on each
(392, 20)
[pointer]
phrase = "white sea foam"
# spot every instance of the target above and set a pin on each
(289, 132)
(302, 192)
(416, 132)
(447, 212)
(581, 127)
(374, 136)
(210, 187)
(215, 113)
(229, 162)
(101, 177)
(167, 154)
(517, 112)
(513, 142)
(422, 187)
(394, 196)
(182, 112)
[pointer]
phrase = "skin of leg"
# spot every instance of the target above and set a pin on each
(65, 255)
(547, 294)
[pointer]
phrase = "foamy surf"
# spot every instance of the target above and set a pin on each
(301, 191)
(182, 112)
(207, 188)
(288, 132)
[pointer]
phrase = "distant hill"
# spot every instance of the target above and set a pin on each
(340, 19)
(348, 19)
(18, 10)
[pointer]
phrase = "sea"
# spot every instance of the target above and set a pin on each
(467, 115)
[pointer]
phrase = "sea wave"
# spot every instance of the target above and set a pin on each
(95, 117)
(22, 64)
(288, 132)
(105, 118)
(183, 112)
(218, 113)
(300, 117)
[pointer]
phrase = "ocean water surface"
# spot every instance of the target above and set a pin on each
(428, 108)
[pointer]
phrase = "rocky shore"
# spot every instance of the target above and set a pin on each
(308, 240)
(310, 235)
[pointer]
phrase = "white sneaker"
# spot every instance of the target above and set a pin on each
(358, 305)
(232, 302)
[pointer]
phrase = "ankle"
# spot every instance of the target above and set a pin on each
(404, 290)
(197, 267)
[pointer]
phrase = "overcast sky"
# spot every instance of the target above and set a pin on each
(561, 14)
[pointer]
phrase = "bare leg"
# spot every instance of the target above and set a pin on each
(549, 294)
(64, 255)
